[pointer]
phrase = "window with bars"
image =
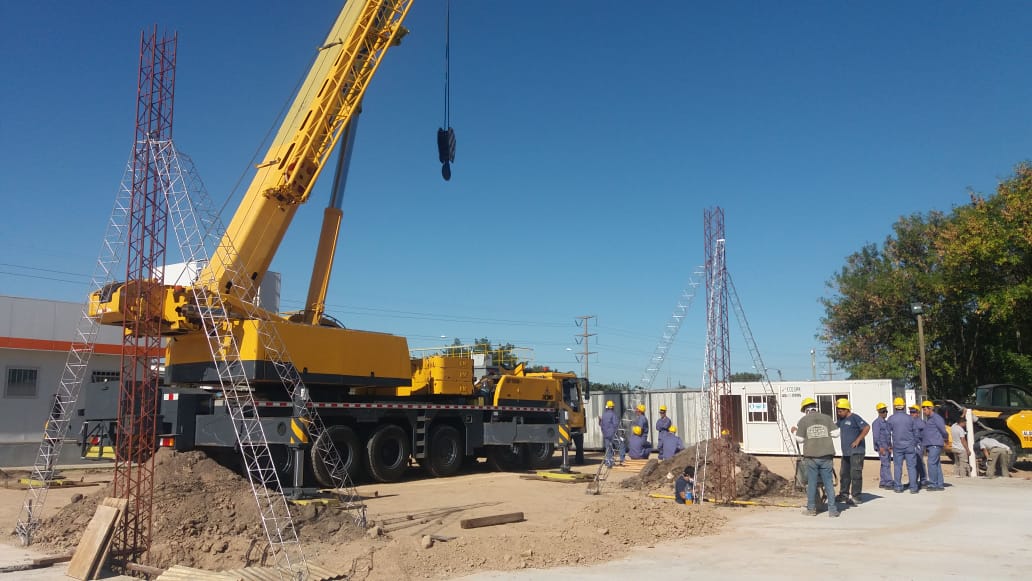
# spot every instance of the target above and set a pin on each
(763, 408)
(99, 376)
(21, 382)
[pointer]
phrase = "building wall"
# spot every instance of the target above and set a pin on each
(36, 335)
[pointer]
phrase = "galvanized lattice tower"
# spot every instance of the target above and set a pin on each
(144, 296)
(718, 358)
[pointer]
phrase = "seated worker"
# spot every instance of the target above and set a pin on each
(669, 443)
(684, 488)
(637, 446)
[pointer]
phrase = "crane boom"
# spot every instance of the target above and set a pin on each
(324, 105)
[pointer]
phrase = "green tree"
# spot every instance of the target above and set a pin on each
(972, 272)
(746, 376)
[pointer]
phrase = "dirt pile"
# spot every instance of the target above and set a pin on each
(715, 461)
(607, 529)
(204, 515)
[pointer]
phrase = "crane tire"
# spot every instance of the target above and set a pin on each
(446, 452)
(348, 447)
(387, 453)
(540, 455)
(508, 459)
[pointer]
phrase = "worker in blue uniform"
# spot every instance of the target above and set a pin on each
(903, 444)
(669, 443)
(880, 436)
(663, 423)
(934, 440)
(919, 426)
(610, 423)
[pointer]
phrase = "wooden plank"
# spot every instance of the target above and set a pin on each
(183, 573)
(486, 521)
(51, 560)
(93, 541)
(120, 504)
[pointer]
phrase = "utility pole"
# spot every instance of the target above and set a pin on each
(918, 309)
(583, 338)
(813, 364)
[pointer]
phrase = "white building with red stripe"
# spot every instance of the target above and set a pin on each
(35, 336)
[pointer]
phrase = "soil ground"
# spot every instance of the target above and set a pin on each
(204, 516)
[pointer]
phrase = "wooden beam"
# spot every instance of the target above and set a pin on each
(486, 521)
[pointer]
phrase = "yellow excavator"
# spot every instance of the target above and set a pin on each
(381, 407)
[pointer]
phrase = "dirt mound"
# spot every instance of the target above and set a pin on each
(714, 461)
(606, 529)
(204, 515)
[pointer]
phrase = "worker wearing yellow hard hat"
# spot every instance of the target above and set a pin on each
(904, 440)
(609, 422)
(882, 442)
(934, 439)
(668, 443)
(663, 423)
(852, 431)
(638, 445)
(816, 432)
(919, 426)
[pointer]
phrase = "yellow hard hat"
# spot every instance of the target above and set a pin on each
(641, 408)
(609, 404)
(673, 429)
(914, 408)
(881, 406)
(843, 404)
(725, 432)
(662, 408)
(636, 430)
(807, 402)
(927, 404)
(898, 403)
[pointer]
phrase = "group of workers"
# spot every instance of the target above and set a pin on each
(636, 444)
(903, 438)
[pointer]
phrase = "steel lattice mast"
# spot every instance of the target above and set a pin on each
(718, 360)
(141, 346)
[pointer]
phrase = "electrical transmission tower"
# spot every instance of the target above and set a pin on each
(718, 361)
(147, 236)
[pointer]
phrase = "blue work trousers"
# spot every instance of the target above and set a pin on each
(935, 466)
(819, 468)
(922, 474)
(910, 459)
(885, 474)
(611, 445)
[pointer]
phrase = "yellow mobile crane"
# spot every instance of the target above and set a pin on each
(380, 406)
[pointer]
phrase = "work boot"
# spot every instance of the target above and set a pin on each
(854, 500)
(810, 511)
(834, 514)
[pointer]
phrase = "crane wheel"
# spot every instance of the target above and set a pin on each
(513, 458)
(387, 453)
(348, 447)
(540, 455)
(446, 452)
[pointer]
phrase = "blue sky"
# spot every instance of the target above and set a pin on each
(591, 137)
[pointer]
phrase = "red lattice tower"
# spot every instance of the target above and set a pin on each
(143, 296)
(718, 360)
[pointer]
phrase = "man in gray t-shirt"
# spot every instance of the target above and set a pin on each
(816, 430)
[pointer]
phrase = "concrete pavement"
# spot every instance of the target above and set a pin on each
(976, 528)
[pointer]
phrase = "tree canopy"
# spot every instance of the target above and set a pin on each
(971, 272)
